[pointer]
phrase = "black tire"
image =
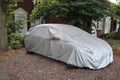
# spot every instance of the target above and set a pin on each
(29, 52)
(72, 66)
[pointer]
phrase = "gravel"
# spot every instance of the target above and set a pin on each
(22, 66)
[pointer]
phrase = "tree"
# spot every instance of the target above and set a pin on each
(3, 32)
(77, 12)
(117, 13)
(5, 19)
(44, 9)
(118, 34)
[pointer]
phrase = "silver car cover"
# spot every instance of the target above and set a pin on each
(75, 46)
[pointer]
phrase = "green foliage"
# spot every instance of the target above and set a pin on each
(15, 27)
(16, 40)
(111, 35)
(7, 8)
(73, 11)
(84, 11)
(112, 8)
(117, 13)
(7, 5)
(44, 9)
(114, 43)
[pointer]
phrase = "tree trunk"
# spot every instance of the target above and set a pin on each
(87, 26)
(118, 34)
(3, 32)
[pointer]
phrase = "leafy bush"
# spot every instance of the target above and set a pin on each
(15, 27)
(15, 40)
(111, 35)
(114, 43)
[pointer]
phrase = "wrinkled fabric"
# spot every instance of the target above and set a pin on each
(75, 47)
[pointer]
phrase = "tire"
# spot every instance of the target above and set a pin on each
(72, 66)
(29, 52)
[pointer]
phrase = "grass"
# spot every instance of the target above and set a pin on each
(115, 44)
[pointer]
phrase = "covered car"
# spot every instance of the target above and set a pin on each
(69, 44)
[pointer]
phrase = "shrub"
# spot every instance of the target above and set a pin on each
(114, 43)
(111, 35)
(15, 41)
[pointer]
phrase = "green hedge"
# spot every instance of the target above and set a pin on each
(15, 41)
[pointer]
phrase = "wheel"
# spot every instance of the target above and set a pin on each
(72, 66)
(29, 52)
